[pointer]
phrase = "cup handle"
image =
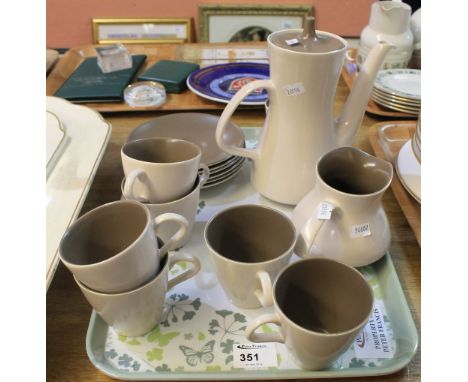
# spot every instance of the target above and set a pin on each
(227, 114)
(205, 173)
(273, 318)
(138, 198)
(130, 182)
(178, 236)
(265, 295)
(196, 266)
(308, 234)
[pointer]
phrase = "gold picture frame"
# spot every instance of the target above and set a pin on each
(259, 11)
(144, 30)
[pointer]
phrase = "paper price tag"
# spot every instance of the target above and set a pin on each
(325, 210)
(294, 89)
(253, 356)
(293, 41)
(360, 230)
(373, 342)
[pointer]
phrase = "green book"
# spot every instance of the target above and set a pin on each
(172, 74)
(89, 84)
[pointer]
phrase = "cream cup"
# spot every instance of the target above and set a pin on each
(185, 206)
(113, 248)
(321, 306)
(249, 246)
(136, 312)
(160, 170)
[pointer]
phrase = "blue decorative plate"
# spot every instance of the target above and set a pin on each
(221, 82)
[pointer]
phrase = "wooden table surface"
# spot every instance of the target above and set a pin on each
(68, 312)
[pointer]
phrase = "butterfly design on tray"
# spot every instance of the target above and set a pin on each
(204, 355)
(162, 338)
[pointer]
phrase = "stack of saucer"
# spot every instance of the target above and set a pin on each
(223, 170)
(398, 89)
(200, 129)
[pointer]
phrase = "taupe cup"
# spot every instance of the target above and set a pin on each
(320, 305)
(160, 170)
(136, 312)
(186, 206)
(249, 246)
(113, 248)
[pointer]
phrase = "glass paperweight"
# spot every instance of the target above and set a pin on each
(145, 93)
(112, 58)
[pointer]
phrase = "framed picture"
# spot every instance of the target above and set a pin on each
(137, 31)
(245, 22)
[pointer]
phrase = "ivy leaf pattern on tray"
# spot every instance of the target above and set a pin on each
(229, 324)
(179, 307)
(155, 354)
(200, 207)
(162, 339)
(163, 368)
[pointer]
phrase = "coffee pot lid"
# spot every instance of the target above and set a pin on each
(307, 41)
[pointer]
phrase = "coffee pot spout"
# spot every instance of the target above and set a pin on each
(349, 121)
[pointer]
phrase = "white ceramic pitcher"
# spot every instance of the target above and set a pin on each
(299, 126)
(389, 21)
(342, 217)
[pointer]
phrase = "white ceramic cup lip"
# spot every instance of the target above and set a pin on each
(123, 252)
(286, 253)
(161, 139)
(316, 333)
(196, 187)
(156, 278)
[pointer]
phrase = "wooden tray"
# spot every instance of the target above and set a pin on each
(203, 54)
(386, 139)
(372, 107)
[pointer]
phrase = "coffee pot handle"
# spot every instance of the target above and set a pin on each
(227, 114)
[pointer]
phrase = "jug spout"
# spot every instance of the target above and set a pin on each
(349, 121)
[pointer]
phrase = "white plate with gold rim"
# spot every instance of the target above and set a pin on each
(68, 182)
(400, 82)
(407, 101)
(395, 105)
(378, 99)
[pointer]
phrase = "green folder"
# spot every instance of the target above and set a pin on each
(172, 74)
(89, 84)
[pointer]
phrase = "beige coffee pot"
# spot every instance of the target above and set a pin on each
(305, 68)
(342, 217)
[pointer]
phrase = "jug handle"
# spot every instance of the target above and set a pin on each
(310, 230)
(227, 114)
